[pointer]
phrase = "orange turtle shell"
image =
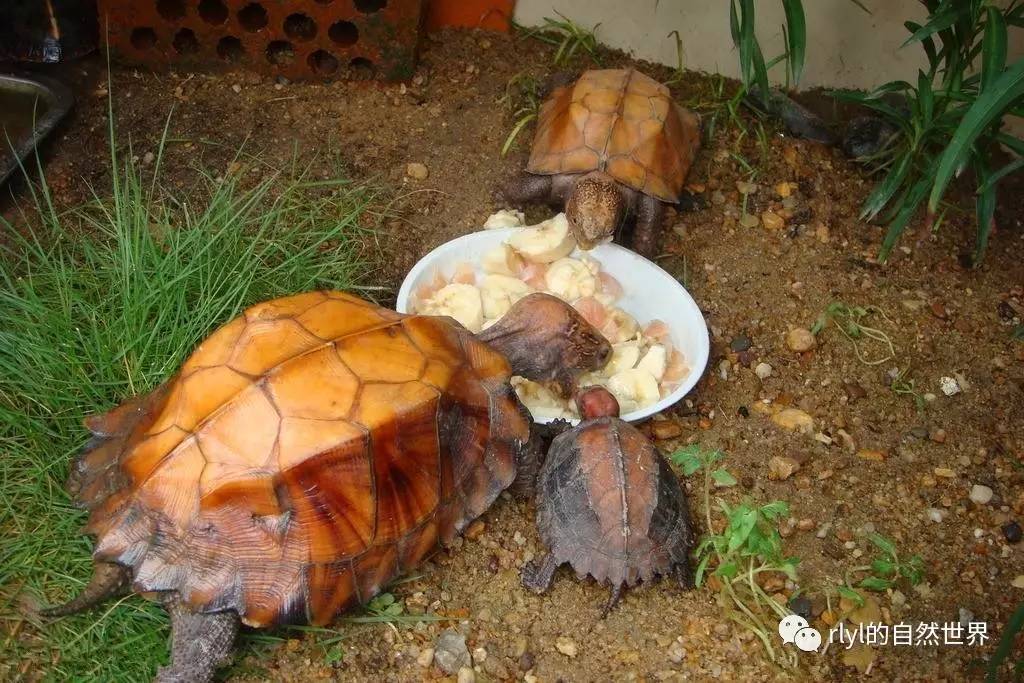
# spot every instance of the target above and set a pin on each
(307, 453)
(623, 123)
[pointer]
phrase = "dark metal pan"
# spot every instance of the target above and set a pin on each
(31, 106)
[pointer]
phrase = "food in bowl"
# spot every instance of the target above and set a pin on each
(644, 366)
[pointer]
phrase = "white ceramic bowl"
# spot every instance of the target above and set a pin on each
(648, 293)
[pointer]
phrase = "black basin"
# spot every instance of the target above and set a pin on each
(30, 108)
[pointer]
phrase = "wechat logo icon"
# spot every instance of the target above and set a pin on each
(795, 629)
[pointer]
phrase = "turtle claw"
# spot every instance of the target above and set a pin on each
(613, 600)
(537, 576)
(684, 576)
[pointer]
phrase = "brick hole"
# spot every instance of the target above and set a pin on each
(361, 67)
(143, 38)
(344, 33)
(230, 49)
(185, 42)
(252, 17)
(171, 10)
(299, 27)
(280, 52)
(370, 6)
(213, 11)
(322, 63)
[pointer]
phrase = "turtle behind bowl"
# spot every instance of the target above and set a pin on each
(609, 505)
(611, 144)
(306, 454)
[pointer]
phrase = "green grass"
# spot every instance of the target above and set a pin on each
(104, 301)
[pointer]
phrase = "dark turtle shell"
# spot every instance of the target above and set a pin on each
(609, 505)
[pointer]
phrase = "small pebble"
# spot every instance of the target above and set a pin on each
(475, 530)
(740, 343)
(237, 88)
(780, 469)
(466, 675)
(450, 651)
(1018, 582)
(148, 158)
(1012, 532)
(749, 220)
(945, 473)
(798, 339)
(416, 171)
(936, 515)
(772, 220)
(794, 419)
(980, 494)
(854, 391)
(676, 652)
(937, 435)
(566, 646)
(949, 386)
(518, 538)
(479, 655)
(426, 657)
(665, 429)
(763, 370)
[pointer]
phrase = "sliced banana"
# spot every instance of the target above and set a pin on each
(499, 292)
(654, 361)
(634, 389)
(460, 301)
(545, 242)
(624, 357)
(540, 401)
(505, 218)
(621, 326)
(502, 260)
(570, 279)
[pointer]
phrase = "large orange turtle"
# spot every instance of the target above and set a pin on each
(307, 453)
(609, 145)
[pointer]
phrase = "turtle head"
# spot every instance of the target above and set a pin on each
(595, 209)
(546, 339)
(594, 402)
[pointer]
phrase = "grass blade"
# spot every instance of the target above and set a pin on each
(797, 37)
(990, 106)
(908, 206)
(885, 190)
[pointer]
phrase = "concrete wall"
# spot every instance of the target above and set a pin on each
(847, 47)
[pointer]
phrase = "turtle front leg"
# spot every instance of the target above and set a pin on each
(537, 576)
(648, 226)
(527, 188)
(199, 643)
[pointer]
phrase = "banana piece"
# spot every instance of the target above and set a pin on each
(621, 326)
(540, 401)
(654, 361)
(545, 242)
(505, 218)
(624, 357)
(460, 301)
(570, 279)
(634, 389)
(502, 260)
(499, 292)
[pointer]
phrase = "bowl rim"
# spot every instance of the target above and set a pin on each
(698, 364)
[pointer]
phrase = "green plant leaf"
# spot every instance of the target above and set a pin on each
(993, 47)
(850, 594)
(688, 458)
(883, 544)
(875, 583)
(776, 509)
(925, 97)
(884, 567)
(796, 34)
(990, 106)
(907, 206)
(723, 478)
(985, 206)
(741, 523)
(1014, 625)
(885, 190)
(936, 23)
(698, 576)
(728, 570)
(929, 47)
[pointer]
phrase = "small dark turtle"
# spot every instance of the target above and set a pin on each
(609, 505)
